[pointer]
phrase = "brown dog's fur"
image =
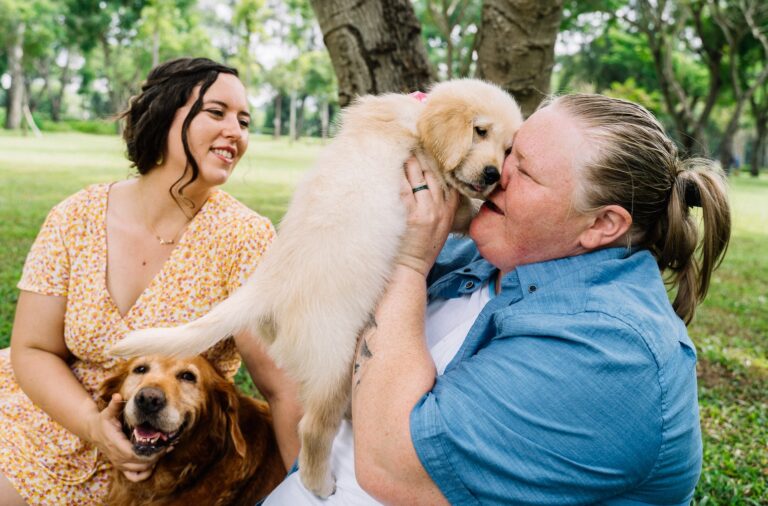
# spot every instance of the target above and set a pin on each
(225, 453)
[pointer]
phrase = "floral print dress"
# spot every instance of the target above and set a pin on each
(221, 246)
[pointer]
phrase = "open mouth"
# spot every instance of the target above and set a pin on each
(147, 439)
(470, 189)
(225, 154)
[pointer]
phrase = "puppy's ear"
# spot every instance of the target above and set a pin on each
(445, 128)
(230, 405)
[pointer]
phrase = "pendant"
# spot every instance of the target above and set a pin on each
(163, 242)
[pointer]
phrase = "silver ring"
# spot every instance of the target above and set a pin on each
(419, 188)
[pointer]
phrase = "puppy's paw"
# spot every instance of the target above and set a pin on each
(322, 486)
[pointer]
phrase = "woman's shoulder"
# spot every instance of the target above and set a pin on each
(87, 202)
(229, 215)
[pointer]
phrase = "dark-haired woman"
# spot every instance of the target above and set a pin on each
(158, 249)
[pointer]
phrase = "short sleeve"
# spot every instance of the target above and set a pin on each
(46, 269)
(252, 239)
(542, 420)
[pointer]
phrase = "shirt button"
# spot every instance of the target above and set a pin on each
(532, 288)
(469, 285)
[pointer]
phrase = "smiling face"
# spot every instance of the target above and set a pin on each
(529, 217)
(164, 398)
(217, 135)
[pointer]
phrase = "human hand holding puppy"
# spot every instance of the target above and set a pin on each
(106, 433)
(430, 217)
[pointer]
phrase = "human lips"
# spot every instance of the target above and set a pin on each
(225, 153)
(491, 207)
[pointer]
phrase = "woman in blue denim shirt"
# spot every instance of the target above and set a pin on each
(542, 362)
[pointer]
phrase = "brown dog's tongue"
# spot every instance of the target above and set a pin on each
(146, 432)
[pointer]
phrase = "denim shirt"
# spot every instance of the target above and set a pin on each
(575, 385)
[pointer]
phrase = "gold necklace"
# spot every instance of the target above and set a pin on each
(148, 223)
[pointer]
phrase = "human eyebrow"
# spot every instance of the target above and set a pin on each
(226, 106)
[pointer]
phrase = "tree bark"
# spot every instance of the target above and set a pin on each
(15, 96)
(375, 46)
(516, 48)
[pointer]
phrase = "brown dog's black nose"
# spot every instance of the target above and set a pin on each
(491, 174)
(150, 399)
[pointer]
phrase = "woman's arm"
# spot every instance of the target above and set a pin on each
(39, 358)
(393, 366)
(279, 390)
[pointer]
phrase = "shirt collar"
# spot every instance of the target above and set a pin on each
(532, 277)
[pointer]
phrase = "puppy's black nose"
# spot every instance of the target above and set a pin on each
(491, 174)
(150, 399)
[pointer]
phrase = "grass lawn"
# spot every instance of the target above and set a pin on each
(730, 329)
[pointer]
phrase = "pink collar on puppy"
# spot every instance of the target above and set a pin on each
(419, 95)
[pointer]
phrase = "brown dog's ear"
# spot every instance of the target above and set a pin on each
(109, 387)
(230, 405)
(445, 128)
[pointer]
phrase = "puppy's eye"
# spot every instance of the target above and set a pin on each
(507, 152)
(187, 376)
(480, 131)
(141, 369)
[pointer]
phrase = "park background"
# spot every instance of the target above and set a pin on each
(67, 67)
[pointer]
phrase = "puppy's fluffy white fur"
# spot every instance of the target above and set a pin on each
(316, 287)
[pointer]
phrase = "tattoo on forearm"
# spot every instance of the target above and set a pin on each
(363, 353)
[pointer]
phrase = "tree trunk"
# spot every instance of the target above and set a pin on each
(324, 119)
(292, 118)
(277, 121)
(375, 46)
(57, 100)
(516, 49)
(300, 116)
(15, 96)
(760, 115)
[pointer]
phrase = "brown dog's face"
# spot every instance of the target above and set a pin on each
(164, 398)
(468, 127)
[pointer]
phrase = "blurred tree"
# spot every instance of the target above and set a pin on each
(745, 27)
(758, 105)
(27, 29)
(682, 34)
(449, 28)
(249, 19)
(375, 46)
(517, 47)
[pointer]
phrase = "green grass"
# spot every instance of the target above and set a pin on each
(730, 329)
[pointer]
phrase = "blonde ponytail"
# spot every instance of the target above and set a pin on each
(636, 166)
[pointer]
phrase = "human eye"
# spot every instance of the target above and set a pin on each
(218, 113)
(245, 123)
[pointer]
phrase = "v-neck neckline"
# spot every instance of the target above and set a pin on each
(104, 241)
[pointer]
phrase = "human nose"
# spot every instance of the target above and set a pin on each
(232, 128)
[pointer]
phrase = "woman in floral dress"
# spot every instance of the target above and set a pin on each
(156, 250)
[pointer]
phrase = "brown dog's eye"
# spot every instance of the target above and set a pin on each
(187, 376)
(140, 369)
(480, 131)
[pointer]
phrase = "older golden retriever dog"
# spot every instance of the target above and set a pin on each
(225, 452)
(317, 286)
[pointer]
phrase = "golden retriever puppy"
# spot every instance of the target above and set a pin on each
(316, 287)
(224, 447)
